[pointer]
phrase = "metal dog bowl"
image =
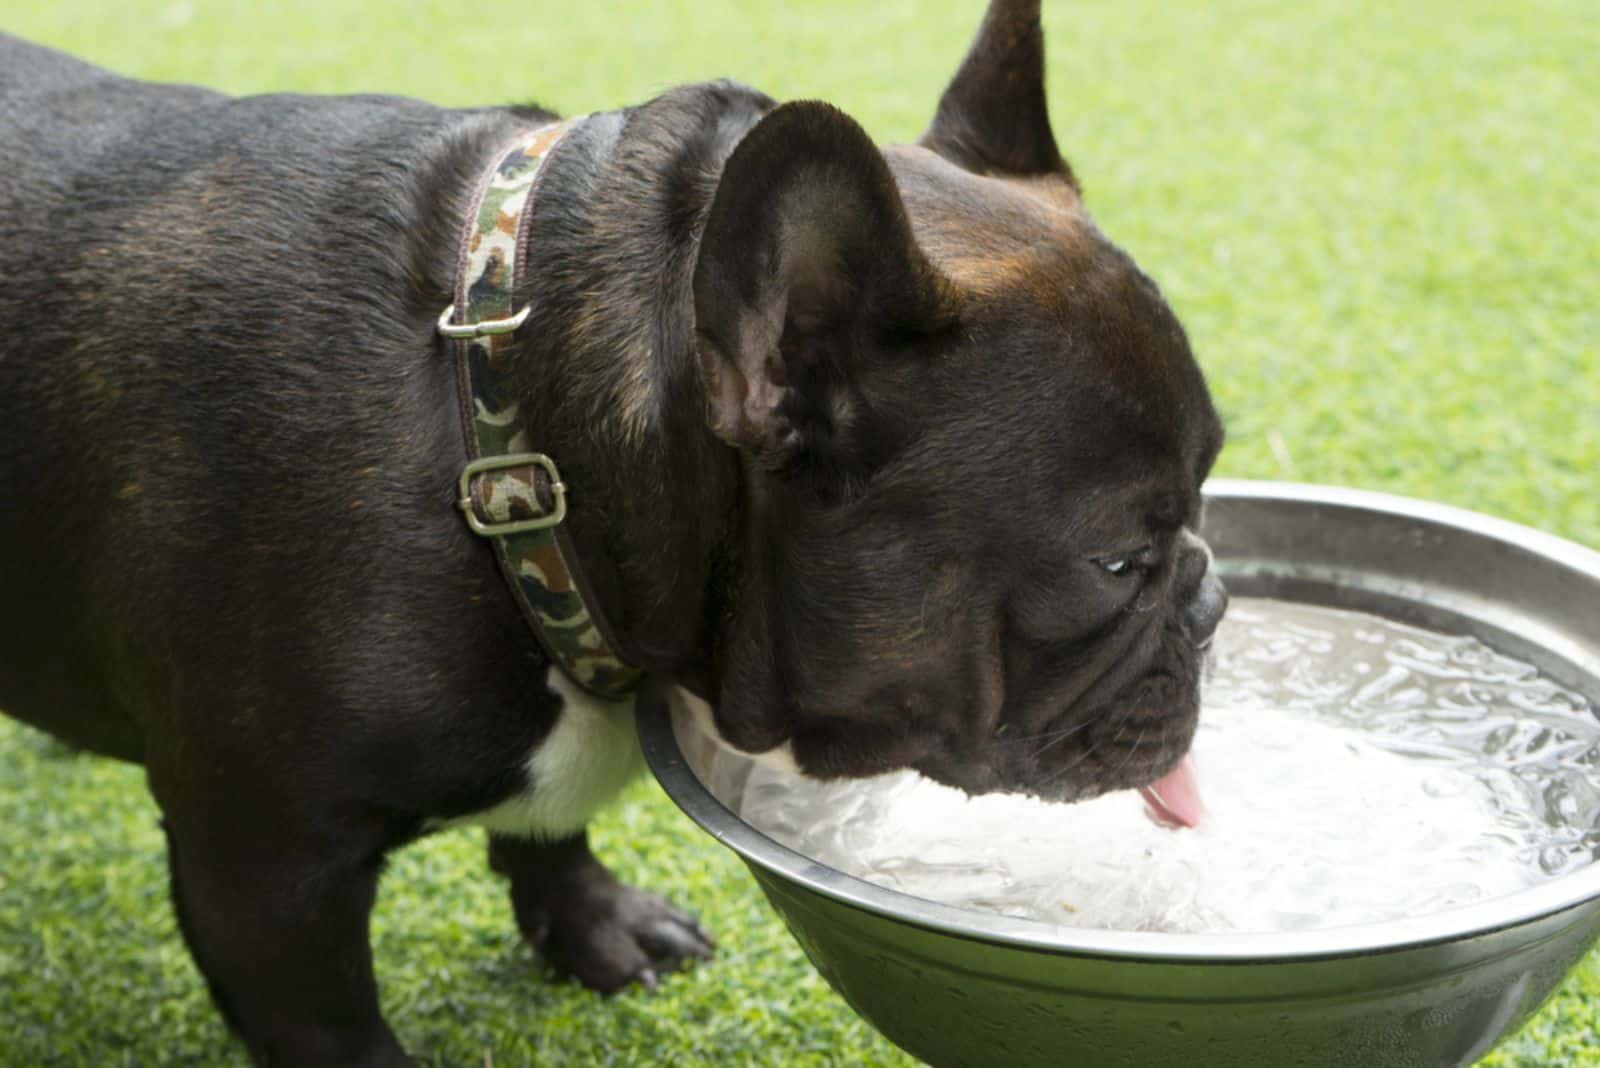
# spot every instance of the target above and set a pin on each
(958, 988)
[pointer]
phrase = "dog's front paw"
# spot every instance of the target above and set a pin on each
(613, 935)
(573, 911)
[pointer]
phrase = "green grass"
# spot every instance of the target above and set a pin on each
(1379, 223)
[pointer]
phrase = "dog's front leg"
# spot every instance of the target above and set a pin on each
(279, 930)
(586, 923)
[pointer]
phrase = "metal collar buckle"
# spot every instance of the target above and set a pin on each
(483, 329)
(558, 490)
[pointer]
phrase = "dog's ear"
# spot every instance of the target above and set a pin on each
(807, 273)
(993, 118)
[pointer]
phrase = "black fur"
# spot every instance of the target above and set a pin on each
(851, 437)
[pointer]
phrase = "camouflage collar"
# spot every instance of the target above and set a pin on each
(509, 494)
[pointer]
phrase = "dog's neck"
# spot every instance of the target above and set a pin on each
(607, 371)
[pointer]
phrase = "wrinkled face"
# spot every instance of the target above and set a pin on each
(973, 438)
(1015, 598)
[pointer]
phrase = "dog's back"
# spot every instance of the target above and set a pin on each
(170, 369)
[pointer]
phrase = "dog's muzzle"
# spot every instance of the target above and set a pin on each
(1208, 600)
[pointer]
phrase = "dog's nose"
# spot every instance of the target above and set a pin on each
(1206, 599)
(1204, 610)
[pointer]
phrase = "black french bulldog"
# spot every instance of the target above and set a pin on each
(889, 454)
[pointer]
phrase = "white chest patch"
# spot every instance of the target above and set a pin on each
(587, 758)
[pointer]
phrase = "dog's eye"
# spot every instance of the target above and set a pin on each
(1125, 563)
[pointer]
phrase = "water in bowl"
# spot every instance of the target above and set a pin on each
(1354, 770)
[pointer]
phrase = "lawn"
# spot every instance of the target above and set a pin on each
(1380, 224)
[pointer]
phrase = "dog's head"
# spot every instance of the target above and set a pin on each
(973, 438)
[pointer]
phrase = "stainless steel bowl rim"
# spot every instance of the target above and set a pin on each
(666, 761)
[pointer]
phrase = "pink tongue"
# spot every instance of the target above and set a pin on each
(1174, 799)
